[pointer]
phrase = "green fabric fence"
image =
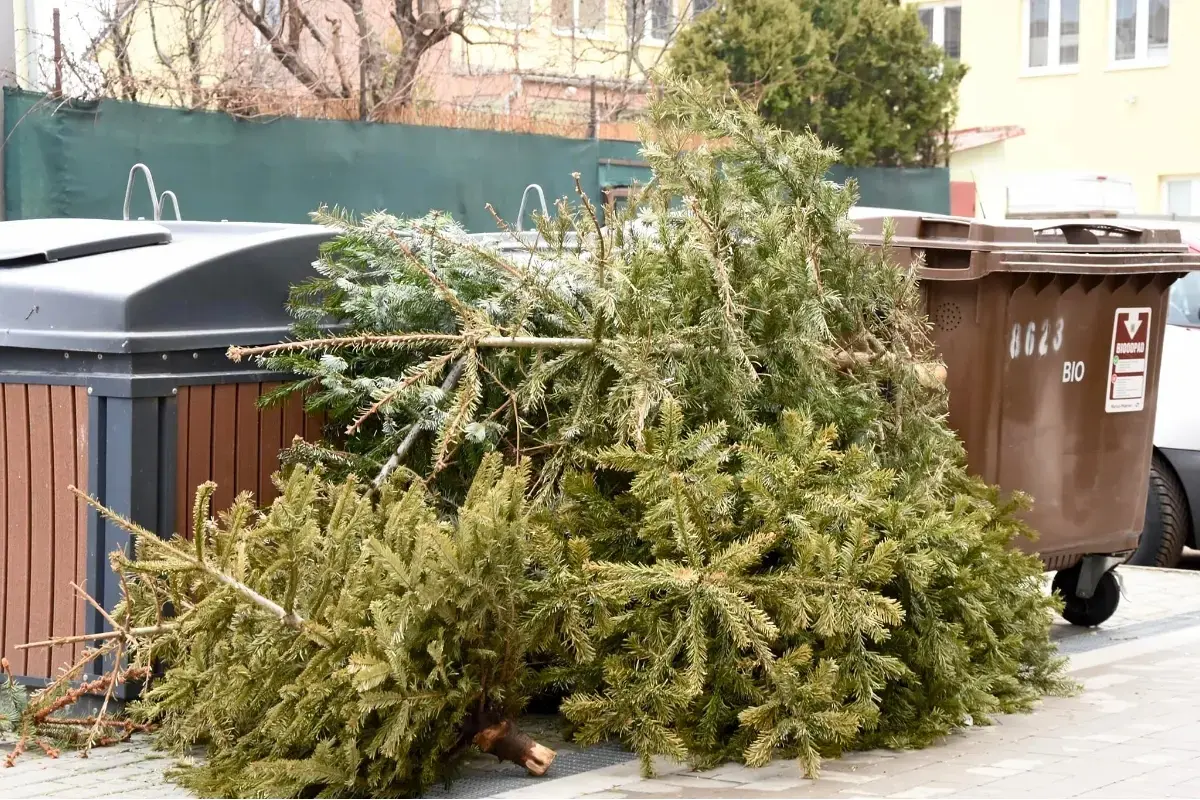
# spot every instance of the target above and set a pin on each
(73, 161)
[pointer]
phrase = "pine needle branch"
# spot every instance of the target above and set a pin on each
(290, 620)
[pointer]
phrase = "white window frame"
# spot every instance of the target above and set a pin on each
(1164, 192)
(648, 36)
(1054, 42)
(495, 18)
(1142, 58)
(596, 34)
(938, 34)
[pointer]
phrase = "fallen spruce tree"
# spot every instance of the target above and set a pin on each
(690, 470)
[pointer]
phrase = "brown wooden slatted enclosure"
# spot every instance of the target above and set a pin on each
(222, 435)
(43, 526)
(225, 437)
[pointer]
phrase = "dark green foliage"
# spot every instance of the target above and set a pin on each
(860, 74)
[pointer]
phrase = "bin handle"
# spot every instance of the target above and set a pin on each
(154, 201)
(174, 201)
(961, 274)
(524, 195)
(1074, 231)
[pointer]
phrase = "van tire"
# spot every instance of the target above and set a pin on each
(1168, 519)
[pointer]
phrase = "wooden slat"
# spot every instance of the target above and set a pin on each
(63, 430)
(224, 446)
(182, 506)
(293, 420)
(313, 423)
(270, 437)
(4, 521)
(16, 589)
(42, 583)
(246, 454)
(82, 509)
(199, 435)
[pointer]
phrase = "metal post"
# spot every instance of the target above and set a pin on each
(8, 71)
(593, 121)
(58, 56)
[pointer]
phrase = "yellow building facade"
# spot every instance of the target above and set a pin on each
(1079, 88)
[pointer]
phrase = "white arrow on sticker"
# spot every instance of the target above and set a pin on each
(1133, 323)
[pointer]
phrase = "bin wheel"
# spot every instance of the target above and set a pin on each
(1087, 612)
(1168, 520)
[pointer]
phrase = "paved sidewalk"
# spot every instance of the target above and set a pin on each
(1134, 732)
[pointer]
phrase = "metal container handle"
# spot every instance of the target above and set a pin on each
(154, 202)
(1085, 232)
(524, 196)
(174, 202)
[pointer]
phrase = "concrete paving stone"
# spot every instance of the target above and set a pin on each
(668, 766)
(650, 786)
(923, 791)
(16, 783)
(869, 757)
(1009, 758)
(777, 784)
(983, 793)
(1107, 679)
(600, 780)
(838, 776)
(1023, 784)
(1146, 754)
(46, 789)
(1124, 789)
(100, 761)
(1174, 739)
(696, 781)
(1077, 784)
(604, 795)
(733, 772)
(1097, 764)
(1191, 785)
(992, 772)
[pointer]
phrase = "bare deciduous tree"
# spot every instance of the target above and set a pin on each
(388, 59)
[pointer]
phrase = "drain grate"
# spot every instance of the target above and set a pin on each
(481, 779)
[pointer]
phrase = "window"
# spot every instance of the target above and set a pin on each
(650, 19)
(1181, 196)
(272, 11)
(1141, 31)
(509, 13)
(579, 16)
(943, 25)
(1052, 34)
(700, 6)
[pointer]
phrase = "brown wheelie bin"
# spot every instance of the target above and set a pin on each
(1051, 339)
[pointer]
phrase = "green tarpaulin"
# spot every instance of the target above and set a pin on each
(73, 161)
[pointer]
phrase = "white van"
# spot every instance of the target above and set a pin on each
(1173, 505)
(1053, 194)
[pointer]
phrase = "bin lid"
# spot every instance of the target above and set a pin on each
(33, 241)
(1073, 246)
(108, 286)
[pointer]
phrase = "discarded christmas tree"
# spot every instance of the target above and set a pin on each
(747, 529)
(340, 643)
(796, 557)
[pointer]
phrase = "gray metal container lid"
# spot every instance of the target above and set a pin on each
(109, 286)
